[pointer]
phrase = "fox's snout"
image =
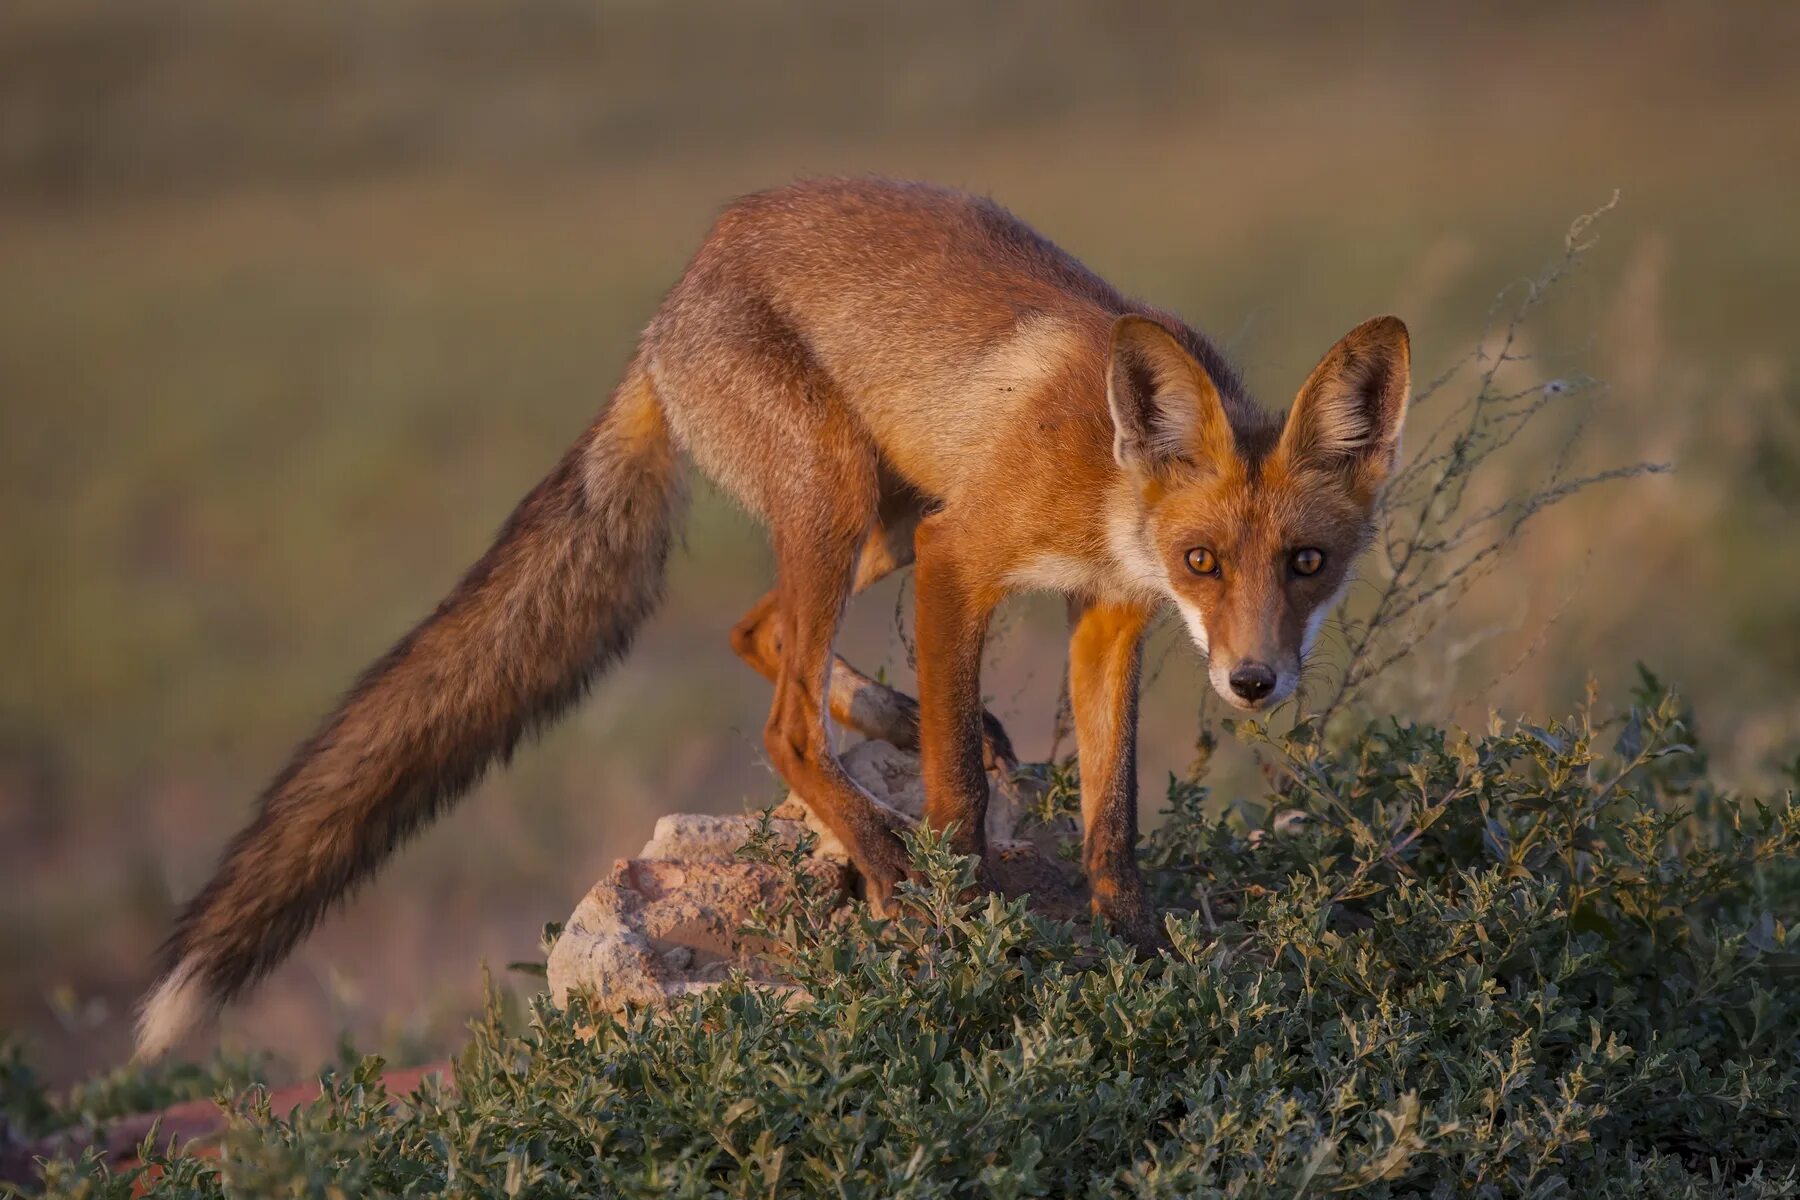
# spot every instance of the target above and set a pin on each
(1252, 684)
(1251, 680)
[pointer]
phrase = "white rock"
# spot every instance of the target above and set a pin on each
(656, 928)
(668, 922)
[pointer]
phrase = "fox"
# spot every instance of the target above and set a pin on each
(885, 374)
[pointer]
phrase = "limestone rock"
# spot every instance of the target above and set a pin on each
(699, 837)
(666, 923)
(655, 929)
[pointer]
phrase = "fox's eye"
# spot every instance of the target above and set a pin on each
(1308, 561)
(1202, 561)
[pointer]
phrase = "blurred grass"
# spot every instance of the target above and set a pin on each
(296, 301)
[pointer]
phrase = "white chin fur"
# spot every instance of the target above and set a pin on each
(1196, 623)
(1220, 673)
(170, 1012)
(1319, 616)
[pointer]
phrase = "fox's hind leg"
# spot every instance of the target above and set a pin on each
(856, 701)
(814, 575)
(820, 503)
(750, 406)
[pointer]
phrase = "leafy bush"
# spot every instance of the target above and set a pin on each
(28, 1107)
(1542, 961)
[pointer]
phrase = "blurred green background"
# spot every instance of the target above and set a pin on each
(297, 300)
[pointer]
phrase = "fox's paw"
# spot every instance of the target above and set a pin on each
(882, 862)
(1128, 912)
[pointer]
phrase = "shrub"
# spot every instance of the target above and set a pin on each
(1540, 961)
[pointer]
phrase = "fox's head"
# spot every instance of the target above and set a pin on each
(1253, 523)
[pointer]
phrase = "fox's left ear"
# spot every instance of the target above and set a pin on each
(1349, 412)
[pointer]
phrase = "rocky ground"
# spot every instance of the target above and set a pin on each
(666, 922)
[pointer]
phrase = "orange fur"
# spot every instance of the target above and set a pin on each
(885, 373)
(1104, 651)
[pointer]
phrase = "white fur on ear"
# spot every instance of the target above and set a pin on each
(1343, 424)
(1162, 429)
(1164, 405)
(1352, 407)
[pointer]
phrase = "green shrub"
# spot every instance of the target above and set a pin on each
(1542, 961)
(29, 1107)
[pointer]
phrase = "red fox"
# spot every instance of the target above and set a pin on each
(886, 374)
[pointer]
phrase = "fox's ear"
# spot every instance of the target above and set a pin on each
(1165, 408)
(1349, 411)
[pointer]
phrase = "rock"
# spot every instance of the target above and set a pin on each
(655, 929)
(666, 923)
(695, 837)
(793, 811)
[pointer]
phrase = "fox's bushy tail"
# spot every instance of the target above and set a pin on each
(574, 571)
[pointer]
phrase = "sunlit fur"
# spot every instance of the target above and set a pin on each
(1253, 490)
(884, 374)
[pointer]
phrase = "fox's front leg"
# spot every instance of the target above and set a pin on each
(1104, 652)
(953, 606)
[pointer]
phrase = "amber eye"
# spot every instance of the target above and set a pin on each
(1202, 561)
(1308, 561)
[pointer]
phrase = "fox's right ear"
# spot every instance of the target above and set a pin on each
(1350, 410)
(1165, 408)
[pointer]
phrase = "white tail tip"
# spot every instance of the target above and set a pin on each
(170, 1012)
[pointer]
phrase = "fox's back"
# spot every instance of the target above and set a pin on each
(936, 315)
(850, 249)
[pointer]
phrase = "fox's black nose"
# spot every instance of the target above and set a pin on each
(1252, 681)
